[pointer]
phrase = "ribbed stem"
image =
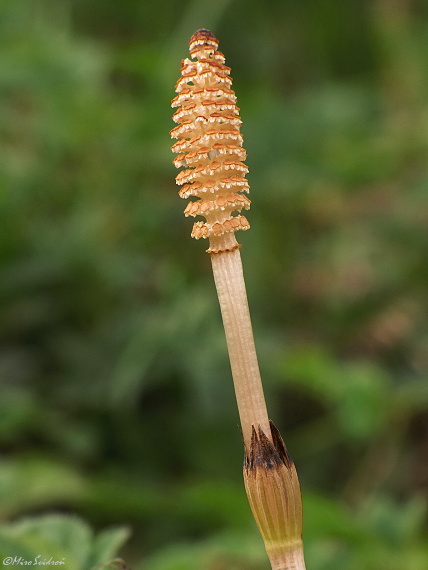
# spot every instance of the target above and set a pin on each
(210, 147)
(230, 284)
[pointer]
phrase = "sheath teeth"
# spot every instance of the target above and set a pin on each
(209, 144)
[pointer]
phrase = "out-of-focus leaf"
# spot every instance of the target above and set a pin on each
(229, 550)
(107, 543)
(65, 539)
(34, 482)
(357, 392)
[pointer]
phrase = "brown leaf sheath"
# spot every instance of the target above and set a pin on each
(273, 492)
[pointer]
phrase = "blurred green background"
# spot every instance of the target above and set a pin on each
(117, 407)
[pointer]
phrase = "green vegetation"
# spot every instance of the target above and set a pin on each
(117, 406)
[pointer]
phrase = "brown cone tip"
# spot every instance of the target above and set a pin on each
(203, 37)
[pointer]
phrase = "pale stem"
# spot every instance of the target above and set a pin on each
(288, 559)
(230, 284)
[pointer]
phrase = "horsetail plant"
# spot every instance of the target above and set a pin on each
(210, 148)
